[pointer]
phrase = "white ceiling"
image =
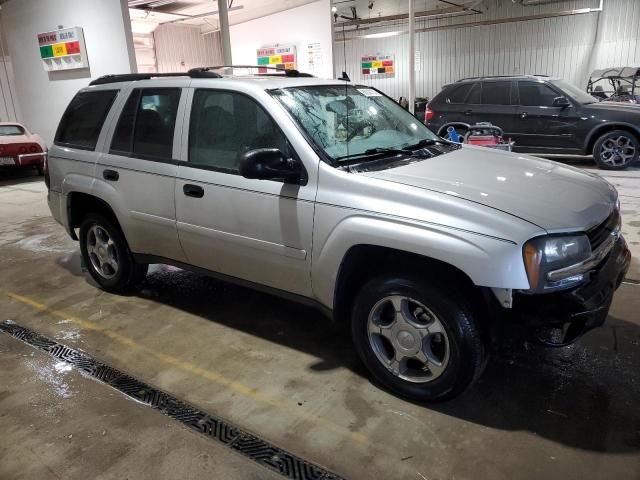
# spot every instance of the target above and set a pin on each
(147, 14)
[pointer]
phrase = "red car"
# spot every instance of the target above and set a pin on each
(19, 147)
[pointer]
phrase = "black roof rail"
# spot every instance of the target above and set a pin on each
(502, 76)
(289, 72)
(130, 77)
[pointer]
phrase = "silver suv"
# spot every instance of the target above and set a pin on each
(329, 193)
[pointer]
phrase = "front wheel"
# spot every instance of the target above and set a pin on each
(616, 150)
(106, 254)
(417, 340)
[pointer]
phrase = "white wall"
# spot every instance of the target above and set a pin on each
(299, 26)
(180, 47)
(43, 96)
(568, 46)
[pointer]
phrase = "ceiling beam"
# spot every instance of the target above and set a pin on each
(402, 16)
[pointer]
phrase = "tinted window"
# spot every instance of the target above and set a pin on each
(146, 125)
(474, 95)
(458, 94)
(224, 125)
(83, 119)
(496, 93)
(536, 94)
(7, 130)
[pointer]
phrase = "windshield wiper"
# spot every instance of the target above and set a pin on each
(425, 142)
(375, 153)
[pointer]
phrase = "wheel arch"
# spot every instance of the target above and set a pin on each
(79, 204)
(599, 130)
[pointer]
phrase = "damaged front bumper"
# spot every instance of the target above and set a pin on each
(559, 318)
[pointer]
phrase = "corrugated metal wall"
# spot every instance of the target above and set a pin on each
(566, 46)
(180, 48)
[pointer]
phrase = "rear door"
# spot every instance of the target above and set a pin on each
(136, 171)
(541, 126)
(498, 108)
(256, 230)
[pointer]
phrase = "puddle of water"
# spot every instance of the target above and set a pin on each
(43, 242)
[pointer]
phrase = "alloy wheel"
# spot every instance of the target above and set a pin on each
(408, 339)
(102, 252)
(618, 151)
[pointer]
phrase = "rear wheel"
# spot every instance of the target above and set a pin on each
(416, 339)
(106, 254)
(616, 150)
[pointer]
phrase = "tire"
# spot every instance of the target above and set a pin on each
(40, 169)
(102, 244)
(456, 359)
(616, 150)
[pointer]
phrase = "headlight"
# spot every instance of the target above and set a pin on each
(546, 257)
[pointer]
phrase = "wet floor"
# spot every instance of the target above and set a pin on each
(280, 370)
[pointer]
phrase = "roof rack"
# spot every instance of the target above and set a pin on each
(502, 76)
(130, 77)
(289, 72)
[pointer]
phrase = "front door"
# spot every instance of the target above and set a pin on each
(541, 126)
(137, 172)
(256, 230)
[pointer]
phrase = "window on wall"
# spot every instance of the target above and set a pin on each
(536, 94)
(83, 119)
(496, 93)
(226, 124)
(146, 125)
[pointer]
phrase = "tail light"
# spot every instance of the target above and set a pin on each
(45, 170)
(428, 115)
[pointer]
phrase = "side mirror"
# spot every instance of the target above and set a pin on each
(269, 164)
(561, 102)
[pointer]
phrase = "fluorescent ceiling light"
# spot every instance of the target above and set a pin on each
(381, 35)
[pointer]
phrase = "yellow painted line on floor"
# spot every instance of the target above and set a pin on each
(211, 375)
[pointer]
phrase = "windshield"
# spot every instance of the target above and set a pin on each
(574, 92)
(11, 130)
(346, 121)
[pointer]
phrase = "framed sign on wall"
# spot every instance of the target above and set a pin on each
(377, 66)
(281, 56)
(63, 49)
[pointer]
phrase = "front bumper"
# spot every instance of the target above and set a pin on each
(580, 309)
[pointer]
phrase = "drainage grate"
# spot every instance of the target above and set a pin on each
(249, 445)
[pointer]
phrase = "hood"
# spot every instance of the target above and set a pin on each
(614, 107)
(548, 194)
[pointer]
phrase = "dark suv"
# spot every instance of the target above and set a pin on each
(542, 115)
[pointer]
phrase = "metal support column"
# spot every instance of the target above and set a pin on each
(223, 15)
(412, 61)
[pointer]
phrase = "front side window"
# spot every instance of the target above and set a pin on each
(83, 119)
(496, 93)
(350, 120)
(146, 125)
(224, 125)
(536, 94)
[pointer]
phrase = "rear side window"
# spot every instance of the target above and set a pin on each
(536, 94)
(458, 94)
(474, 95)
(496, 93)
(83, 119)
(146, 125)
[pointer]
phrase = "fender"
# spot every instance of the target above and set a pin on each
(487, 261)
(593, 133)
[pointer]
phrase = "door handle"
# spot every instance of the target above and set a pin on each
(468, 112)
(524, 115)
(193, 190)
(111, 175)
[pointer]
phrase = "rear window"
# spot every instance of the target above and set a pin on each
(458, 94)
(83, 119)
(7, 130)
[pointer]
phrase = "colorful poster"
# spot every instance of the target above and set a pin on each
(377, 66)
(279, 56)
(63, 49)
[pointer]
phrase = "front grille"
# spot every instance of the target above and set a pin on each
(598, 234)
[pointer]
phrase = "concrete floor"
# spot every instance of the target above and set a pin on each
(278, 369)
